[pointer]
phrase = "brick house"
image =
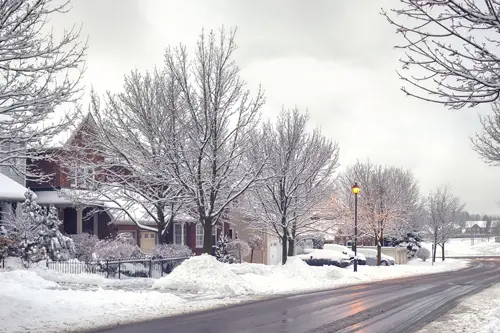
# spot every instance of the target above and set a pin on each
(99, 218)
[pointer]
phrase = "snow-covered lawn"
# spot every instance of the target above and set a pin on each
(41, 300)
(465, 247)
(479, 313)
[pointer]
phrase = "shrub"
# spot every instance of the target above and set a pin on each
(118, 248)
(85, 246)
(423, 253)
(167, 251)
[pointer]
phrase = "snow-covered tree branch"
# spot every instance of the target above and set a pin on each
(451, 49)
(300, 174)
(123, 152)
(487, 142)
(218, 118)
(40, 74)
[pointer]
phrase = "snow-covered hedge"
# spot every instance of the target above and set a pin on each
(166, 251)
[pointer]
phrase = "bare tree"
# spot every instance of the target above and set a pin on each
(122, 153)
(39, 74)
(209, 155)
(443, 210)
(299, 175)
(388, 201)
(451, 49)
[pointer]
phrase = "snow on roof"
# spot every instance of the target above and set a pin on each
(10, 190)
(495, 223)
(480, 224)
(52, 198)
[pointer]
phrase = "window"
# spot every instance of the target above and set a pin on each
(231, 233)
(144, 235)
(214, 236)
(178, 234)
(152, 236)
(81, 176)
(199, 235)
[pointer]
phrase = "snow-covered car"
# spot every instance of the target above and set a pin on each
(371, 257)
(347, 251)
(319, 257)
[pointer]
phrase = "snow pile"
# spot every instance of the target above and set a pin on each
(204, 274)
(38, 305)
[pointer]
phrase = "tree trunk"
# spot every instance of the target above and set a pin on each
(434, 248)
(379, 247)
(291, 247)
(251, 256)
(284, 251)
(162, 236)
(442, 251)
(207, 236)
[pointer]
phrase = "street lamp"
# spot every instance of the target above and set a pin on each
(355, 190)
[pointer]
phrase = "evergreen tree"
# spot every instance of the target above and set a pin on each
(411, 241)
(222, 252)
(57, 246)
(26, 232)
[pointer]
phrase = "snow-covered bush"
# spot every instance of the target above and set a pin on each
(239, 249)
(412, 242)
(423, 253)
(85, 246)
(318, 242)
(256, 243)
(118, 248)
(166, 251)
(222, 253)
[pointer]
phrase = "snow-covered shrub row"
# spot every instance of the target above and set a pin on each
(34, 235)
(166, 251)
(90, 248)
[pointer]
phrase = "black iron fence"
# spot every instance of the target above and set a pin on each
(119, 269)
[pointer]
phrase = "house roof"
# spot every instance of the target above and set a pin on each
(495, 223)
(480, 224)
(10, 190)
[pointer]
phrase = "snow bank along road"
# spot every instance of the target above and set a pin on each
(397, 306)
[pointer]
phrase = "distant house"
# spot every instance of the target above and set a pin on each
(495, 228)
(476, 227)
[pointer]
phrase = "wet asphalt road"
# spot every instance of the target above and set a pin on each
(392, 306)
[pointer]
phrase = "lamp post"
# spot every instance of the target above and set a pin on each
(355, 190)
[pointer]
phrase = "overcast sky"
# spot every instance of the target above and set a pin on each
(335, 58)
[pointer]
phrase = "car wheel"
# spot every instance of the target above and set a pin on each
(385, 263)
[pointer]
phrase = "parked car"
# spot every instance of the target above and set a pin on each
(371, 257)
(319, 257)
(347, 251)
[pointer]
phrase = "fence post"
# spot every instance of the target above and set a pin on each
(119, 269)
(47, 263)
(161, 268)
(107, 269)
(150, 268)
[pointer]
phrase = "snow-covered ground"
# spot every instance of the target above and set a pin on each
(41, 300)
(467, 247)
(479, 313)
